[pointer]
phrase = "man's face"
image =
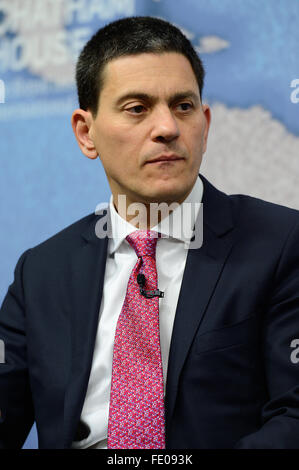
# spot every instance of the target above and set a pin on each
(149, 109)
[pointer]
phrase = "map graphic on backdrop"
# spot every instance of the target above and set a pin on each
(249, 49)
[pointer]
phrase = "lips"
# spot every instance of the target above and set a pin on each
(165, 158)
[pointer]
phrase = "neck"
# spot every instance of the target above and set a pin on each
(144, 216)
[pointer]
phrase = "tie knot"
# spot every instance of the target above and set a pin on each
(144, 242)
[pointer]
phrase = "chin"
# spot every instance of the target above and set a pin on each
(166, 195)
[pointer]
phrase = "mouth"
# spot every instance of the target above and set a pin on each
(165, 159)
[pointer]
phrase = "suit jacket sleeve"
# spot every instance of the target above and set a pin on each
(280, 415)
(16, 406)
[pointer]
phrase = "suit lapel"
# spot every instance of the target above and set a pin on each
(203, 268)
(85, 290)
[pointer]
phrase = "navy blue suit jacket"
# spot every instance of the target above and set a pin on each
(231, 382)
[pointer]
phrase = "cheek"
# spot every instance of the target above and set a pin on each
(107, 138)
(116, 140)
(194, 138)
(119, 151)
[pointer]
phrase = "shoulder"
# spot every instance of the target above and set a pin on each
(264, 229)
(255, 207)
(65, 242)
(254, 213)
(249, 216)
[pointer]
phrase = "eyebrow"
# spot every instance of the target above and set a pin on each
(153, 99)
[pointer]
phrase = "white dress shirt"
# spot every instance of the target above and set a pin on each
(171, 253)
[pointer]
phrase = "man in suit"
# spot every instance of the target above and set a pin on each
(229, 318)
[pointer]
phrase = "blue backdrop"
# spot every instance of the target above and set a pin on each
(250, 51)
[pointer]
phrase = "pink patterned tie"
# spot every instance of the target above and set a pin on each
(136, 415)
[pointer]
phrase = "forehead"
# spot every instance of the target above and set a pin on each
(157, 74)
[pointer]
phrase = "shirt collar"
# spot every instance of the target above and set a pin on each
(178, 225)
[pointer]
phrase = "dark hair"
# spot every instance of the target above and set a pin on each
(128, 36)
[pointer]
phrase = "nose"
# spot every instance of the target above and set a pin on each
(165, 127)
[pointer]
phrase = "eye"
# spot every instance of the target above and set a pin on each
(185, 106)
(138, 109)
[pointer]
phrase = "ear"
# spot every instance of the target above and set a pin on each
(207, 115)
(81, 123)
